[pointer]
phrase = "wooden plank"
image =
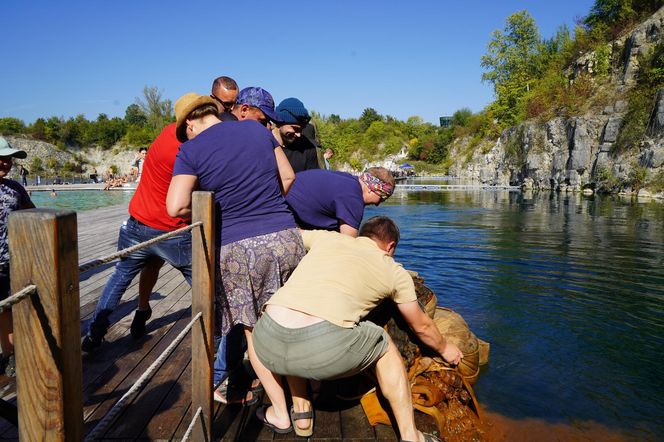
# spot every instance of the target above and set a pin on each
(46, 331)
(202, 300)
(103, 377)
(136, 370)
(152, 401)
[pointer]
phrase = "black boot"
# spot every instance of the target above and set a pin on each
(96, 333)
(138, 324)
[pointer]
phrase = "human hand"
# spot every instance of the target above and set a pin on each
(452, 354)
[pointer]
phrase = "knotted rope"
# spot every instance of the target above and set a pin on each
(18, 296)
(129, 250)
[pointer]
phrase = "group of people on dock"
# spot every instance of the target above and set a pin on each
(297, 269)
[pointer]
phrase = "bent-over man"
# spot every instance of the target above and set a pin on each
(321, 337)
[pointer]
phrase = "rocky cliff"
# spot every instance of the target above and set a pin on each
(577, 153)
(57, 161)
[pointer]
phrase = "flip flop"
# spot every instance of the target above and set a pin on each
(428, 437)
(261, 415)
(302, 432)
(236, 396)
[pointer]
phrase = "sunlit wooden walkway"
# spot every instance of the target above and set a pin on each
(162, 410)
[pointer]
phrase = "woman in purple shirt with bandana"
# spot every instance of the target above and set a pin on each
(326, 200)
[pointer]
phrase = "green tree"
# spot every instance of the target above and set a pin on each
(135, 115)
(334, 119)
(158, 110)
(38, 129)
(369, 115)
(11, 126)
(462, 117)
(512, 64)
(52, 129)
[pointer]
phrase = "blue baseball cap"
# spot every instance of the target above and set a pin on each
(292, 111)
(260, 98)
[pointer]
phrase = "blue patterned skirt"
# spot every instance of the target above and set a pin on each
(250, 272)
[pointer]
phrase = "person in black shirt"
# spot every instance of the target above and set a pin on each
(300, 151)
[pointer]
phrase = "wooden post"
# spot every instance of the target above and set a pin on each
(204, 267)
(43, 251)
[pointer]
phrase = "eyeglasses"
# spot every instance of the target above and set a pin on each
(227, 105)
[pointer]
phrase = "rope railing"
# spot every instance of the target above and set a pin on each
(103, 424)
(18, 297)
(190, 428)
(46, 333)
(129, 250)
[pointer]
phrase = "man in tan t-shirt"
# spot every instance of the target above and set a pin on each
(311, 327)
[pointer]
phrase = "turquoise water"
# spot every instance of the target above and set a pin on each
(81, 199)
(569, 291)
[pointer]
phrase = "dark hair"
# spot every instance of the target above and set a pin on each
(225, 82)
(143, 149)
(381, 228)
(201, 111)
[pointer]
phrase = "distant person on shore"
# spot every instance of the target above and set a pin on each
(13, 197)
(311, 327)
(329, 153)
(137, 166)
(148, 219)
(300, 151)
(336, 200)
(224, 93)
(23, 172)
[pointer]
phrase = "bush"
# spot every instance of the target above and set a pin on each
(606, 180)
(637, 177)
(656, 182)
(11, 126)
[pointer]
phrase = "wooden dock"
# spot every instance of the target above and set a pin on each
(162, 411)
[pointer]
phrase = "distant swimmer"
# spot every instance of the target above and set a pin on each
(53, 194)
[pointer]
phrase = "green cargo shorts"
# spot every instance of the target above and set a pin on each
(320, 351)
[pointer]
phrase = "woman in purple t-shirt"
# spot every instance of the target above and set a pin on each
(245, 167)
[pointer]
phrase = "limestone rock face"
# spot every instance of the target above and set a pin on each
(568, 154)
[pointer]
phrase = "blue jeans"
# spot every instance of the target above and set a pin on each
(230, 353)
(175, 250)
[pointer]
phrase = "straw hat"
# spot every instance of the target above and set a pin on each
(183, 107)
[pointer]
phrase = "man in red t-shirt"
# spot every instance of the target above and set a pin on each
(148, 219)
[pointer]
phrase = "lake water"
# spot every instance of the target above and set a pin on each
(81, 199)
(569, 291)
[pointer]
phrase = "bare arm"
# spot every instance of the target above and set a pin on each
(178, 200)
(428, 333)
(348, 230)
(286, 174)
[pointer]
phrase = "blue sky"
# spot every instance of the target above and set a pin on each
(402, 58)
